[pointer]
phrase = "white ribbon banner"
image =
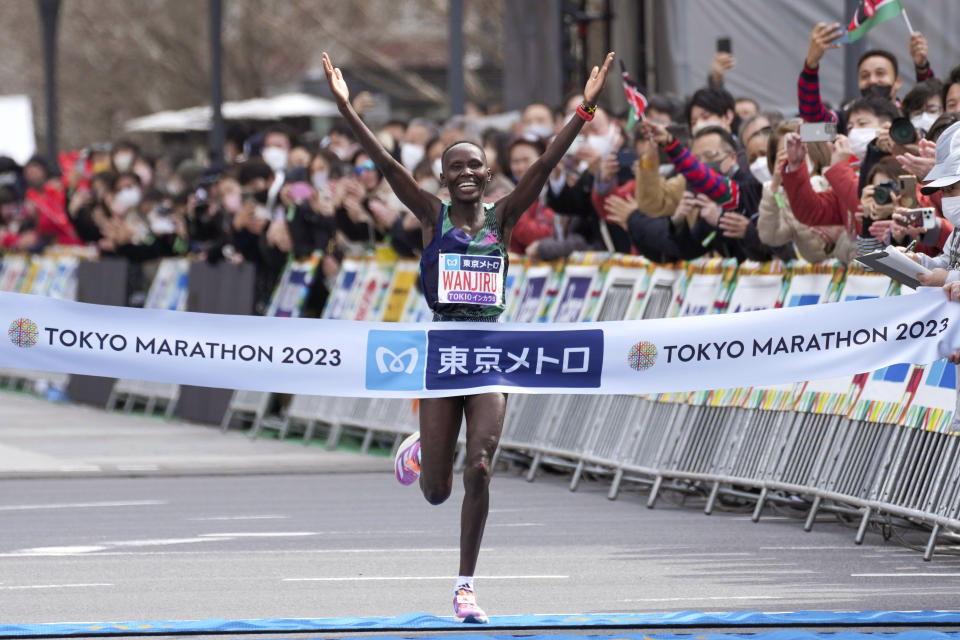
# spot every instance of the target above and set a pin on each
(377, 359)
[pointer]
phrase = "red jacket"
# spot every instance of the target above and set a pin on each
(836, 205)
(50, 207)
(534, 224)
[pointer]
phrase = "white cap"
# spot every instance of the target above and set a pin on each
(947, 169)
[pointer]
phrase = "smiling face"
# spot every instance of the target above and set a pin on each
(465, 172)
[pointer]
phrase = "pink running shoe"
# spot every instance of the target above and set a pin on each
(407, 463)
(466, 609)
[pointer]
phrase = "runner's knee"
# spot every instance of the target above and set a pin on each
(437, 494)
(476, 472)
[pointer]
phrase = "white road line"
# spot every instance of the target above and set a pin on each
(217, 518)
(262, 534)
(366, 578)
(56, 586)
(81, 505)
(53, 551)
(905, 575)
(696, 599)
(157, 542)
(76, 551)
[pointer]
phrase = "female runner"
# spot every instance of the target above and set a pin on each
(464, 226)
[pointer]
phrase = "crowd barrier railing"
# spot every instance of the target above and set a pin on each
(881, 444)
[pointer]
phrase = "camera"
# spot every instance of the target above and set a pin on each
(884, 192)
(902, 131)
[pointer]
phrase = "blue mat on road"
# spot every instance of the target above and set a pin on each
(415, 622)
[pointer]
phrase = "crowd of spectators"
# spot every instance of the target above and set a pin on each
(715, 174)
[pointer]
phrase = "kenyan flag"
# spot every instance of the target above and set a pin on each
(636, 100)
(869, 14)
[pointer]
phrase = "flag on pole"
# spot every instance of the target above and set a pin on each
(636, 100)
(869, 14)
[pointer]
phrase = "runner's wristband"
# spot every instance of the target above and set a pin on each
(585, 113)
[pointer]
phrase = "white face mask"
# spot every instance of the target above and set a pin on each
(951, 209)
(760, 170)
(599, 142)
(411, 154)
(123, 162)
(539, 130)
(437, 167)
(319, 180)
(275, 157)
(859, 139)
(924, 120)
(127, 198)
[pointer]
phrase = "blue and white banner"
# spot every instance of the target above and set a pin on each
(344, 358)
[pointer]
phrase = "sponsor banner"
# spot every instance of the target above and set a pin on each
(334, 357)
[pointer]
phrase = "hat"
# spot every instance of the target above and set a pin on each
(947, 169)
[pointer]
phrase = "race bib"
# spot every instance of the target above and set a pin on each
(466, 279)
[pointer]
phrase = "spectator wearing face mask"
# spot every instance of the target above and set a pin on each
(833, 207)
(571, 183)
(828, 167)
(536, 223)
(536, 120)
(945, 179)
(924, 104)
(123, 155)
(868, 126)
(711, 168)
(45, 202)
(878, 73)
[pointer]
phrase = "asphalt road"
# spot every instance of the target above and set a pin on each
(178, 548)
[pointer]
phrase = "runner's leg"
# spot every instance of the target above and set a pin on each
(484, 424)
(440, 420)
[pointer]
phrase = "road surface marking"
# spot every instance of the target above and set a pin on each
(239, 518)
(263, 534)
(905, 575)
(81, 505)
(696, 599)
(365, 578)
(56, 586)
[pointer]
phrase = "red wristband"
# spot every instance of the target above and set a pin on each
(583, 113)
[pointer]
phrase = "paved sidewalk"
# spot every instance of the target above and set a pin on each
(44, 439)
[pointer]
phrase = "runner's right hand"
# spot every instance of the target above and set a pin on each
(337, 84)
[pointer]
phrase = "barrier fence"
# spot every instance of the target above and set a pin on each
(881, 444)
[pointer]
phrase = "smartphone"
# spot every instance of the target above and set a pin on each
(818, 131)
(908, 191)
(724, 45)
(923, 217)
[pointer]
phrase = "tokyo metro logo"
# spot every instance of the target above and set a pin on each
(396, 360)
(23, 332)
(642, 356)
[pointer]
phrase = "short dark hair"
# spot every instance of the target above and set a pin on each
(725, 135)
(715, 100)
(952, 78)
(665, 104)
(916, 98)
(458, 142)
(883, 53)
(282, 130)
(880, 107)
(253, 169)
(941, 124)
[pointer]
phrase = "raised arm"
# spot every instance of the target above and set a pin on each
(423, 204)
(529, 187)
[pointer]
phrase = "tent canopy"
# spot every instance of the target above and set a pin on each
(288, 105)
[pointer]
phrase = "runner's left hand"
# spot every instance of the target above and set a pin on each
(595, 83)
